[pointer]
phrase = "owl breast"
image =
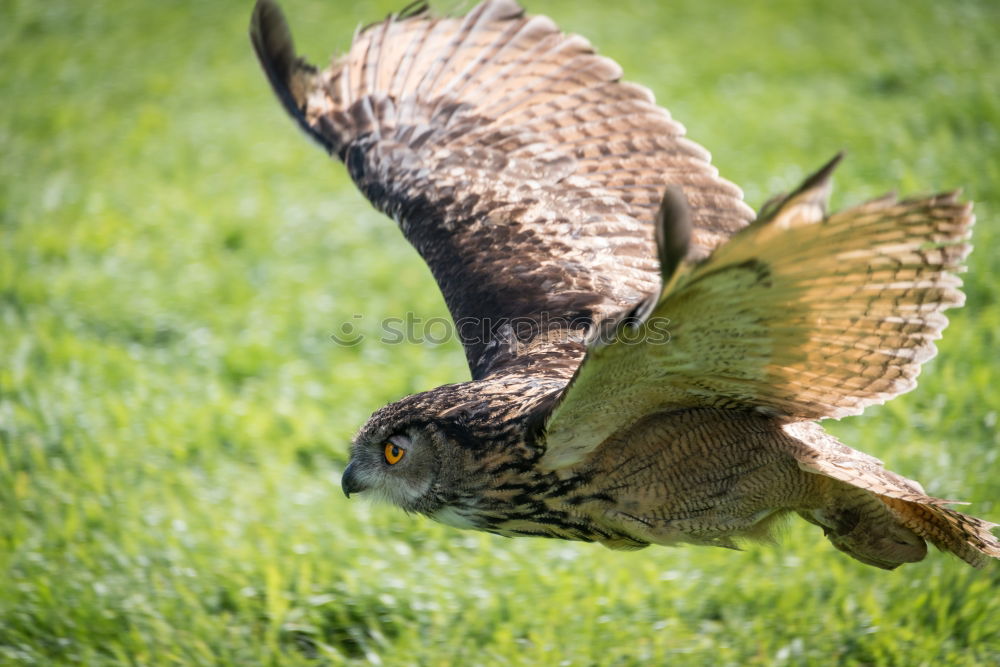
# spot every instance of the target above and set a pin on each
(696, 476)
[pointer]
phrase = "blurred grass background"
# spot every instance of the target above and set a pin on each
(174, 258)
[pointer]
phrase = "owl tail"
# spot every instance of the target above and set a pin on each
(886, 532)
(965, 536)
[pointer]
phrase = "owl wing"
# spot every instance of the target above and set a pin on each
(514, 160)
(800, 315)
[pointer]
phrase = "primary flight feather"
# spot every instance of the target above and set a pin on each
(649, 357)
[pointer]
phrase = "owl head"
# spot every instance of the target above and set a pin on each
(417, 453)
(439, 451)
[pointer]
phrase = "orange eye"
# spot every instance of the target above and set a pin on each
(393, 453)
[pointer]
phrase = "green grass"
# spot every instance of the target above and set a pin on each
(174, 414)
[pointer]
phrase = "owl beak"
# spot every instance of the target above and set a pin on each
(349, 481)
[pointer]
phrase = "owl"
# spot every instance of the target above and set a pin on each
(649, 357)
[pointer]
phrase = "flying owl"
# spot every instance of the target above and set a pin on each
(649, 357)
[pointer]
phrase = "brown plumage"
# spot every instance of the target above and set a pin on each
(648, 357)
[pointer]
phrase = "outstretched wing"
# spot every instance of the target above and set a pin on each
(800, 315)
(513, 159)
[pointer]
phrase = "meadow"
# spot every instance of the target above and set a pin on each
(175, 258)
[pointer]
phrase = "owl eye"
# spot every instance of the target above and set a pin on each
(393, 453)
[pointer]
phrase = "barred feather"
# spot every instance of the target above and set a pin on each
(799, 316)
(517, 164)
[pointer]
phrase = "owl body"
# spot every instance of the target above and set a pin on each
(700, 477)
(717, 477)
(705, 476)
(649, 356)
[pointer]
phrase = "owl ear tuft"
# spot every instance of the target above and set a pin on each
(673, 231)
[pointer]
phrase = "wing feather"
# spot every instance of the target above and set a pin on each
(514, 160)
(801, 315)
